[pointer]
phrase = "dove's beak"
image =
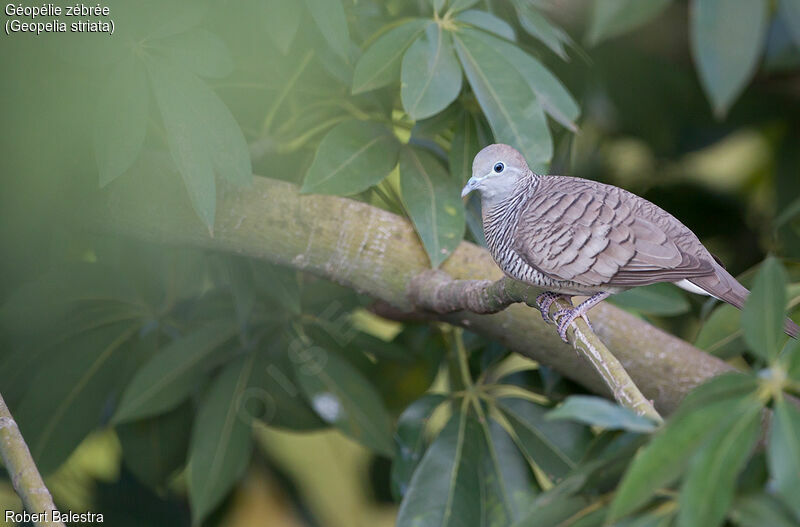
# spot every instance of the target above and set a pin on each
(471, 185)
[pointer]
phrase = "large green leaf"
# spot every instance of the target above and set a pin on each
(341, 396)
(221, 440)
(380, 63)
(596, 411)
(70, 390)
(281, 20)
(551, 95)
(202, 135)
(121, 123)
(707, 490)
(510, 105)
(783, 452)
(655, 299)
(331, 20)
(460, 5)
(721, 334)
(554, 511)
(285, 405)
(445, 490)
(169, 377)
(507, 474)
(430, 77)
(410, 440)
(431, 197)
(199, 51)
(611, 18)
(153, 449)
(760, 510)
(790, 359)
(727, 37)
(556, 447)
(352, 157)
(665, 457)
(468, 139)
(487, 22)
(764, 310)
(538, 26)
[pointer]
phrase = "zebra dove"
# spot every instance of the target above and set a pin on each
(574, 236)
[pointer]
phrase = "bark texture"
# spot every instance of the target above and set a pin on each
(378, 253)
(25, 477)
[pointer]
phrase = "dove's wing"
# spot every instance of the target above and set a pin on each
(595, 234)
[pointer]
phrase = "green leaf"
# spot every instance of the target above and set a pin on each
(410, 441)
(507, 100)
(487, 22)
(731, 385)
(648, 520)
(596, 411)
(612, 18)
(554, 511)
(380, 64)
(707, 490)
(71, 388)
(221, 436)
(331, 20)
(200, 51)
(169, 377)
(179, 95)
(153, 449)
(341, 396)
(506, 470)
(551, 95)
(760, 510)
(789, 11)
(281, 20)
(437, 5)
(659, 463)
(764, 310)
(722, 335)
(285, 406)
(445, 490)
(556, 447)
(783, 452)
(121, 122)
(352, 157)
(460, 5)
(727, 37)
(790, 359)
(432, 200)
(202, 135)
(538, 26)
(656, 299)
(430, 76)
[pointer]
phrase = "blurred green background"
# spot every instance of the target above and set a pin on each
(694, 105)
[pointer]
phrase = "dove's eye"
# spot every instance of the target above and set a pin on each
(499, 167)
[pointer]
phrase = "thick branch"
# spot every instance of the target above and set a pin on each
(24, 475)
(436, 291)
(378, 253)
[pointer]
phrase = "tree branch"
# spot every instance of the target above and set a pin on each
(378, 253)
(436, 291)
(25, 476)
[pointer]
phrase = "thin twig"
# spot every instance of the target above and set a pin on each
(25, 476)
(437, 291)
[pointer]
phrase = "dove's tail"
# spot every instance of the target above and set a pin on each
(725, 287)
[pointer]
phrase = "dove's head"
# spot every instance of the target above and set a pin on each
(496, 171)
